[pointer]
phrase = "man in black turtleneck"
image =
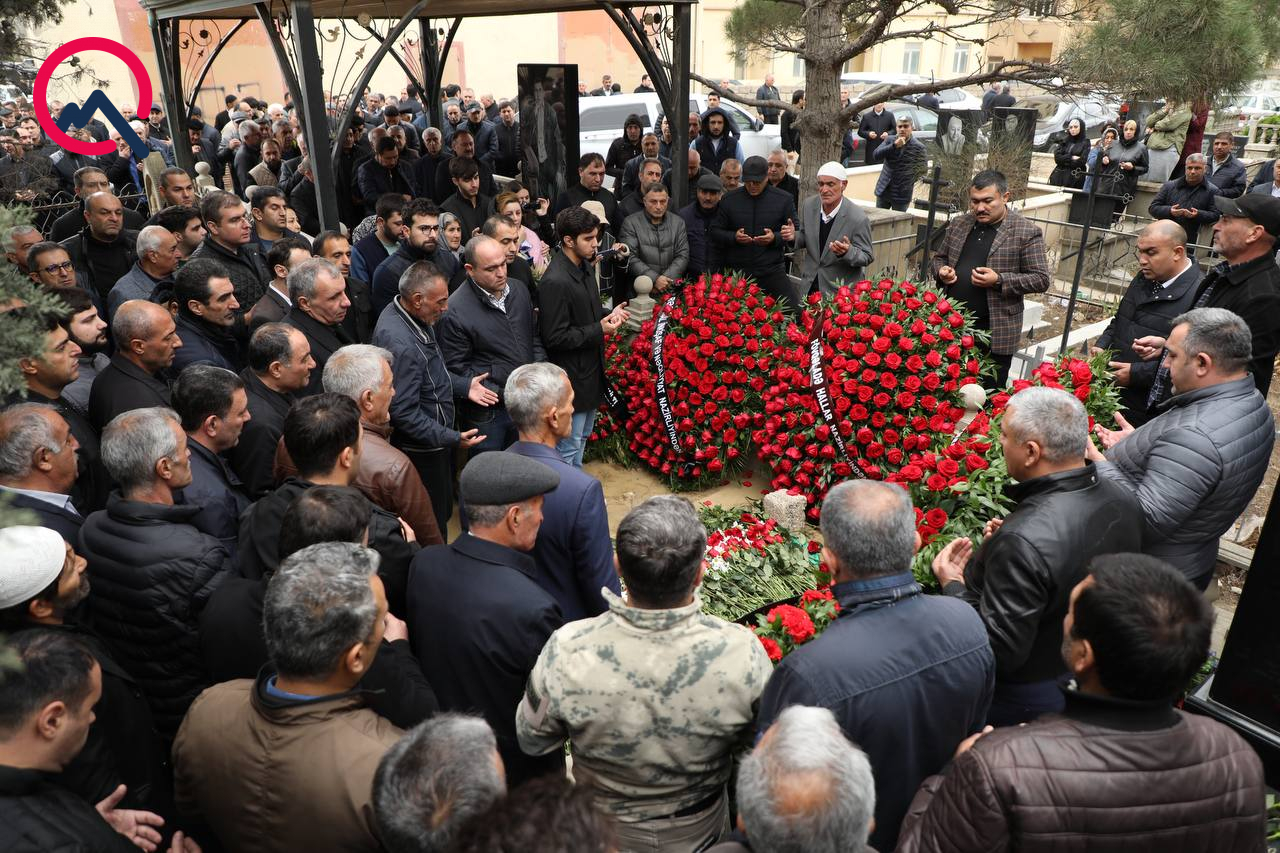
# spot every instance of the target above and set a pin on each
(103, 250)
(421, 220)
(320, 304)
(207, 309)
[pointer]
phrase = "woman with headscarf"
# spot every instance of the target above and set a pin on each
(1109, 135)
(1071, 156)
(532, 249)
(1122, 164)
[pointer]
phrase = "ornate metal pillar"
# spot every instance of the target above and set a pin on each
(313, 110)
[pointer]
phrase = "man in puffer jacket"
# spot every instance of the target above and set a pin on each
(1120, 769)
(152, 571)
(657, 240)
(1196, 466)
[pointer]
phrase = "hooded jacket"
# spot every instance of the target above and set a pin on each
(623, 149)
(715, 151)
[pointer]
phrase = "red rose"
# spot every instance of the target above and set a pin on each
(974, 462)
(936, 518)
(948, 467)
(771, 648)
(936, 482)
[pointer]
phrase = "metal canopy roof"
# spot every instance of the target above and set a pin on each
(390, 8)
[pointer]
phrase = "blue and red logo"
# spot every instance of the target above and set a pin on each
(95, 103)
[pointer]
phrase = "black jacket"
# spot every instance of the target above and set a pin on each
(1179, 192)
(739, 209)
(508, 160)
(869, 123)
(205, 343)
(246, 268)
(425, 169)
(360, 316)
(422, 411)
(730, 148)
(122, 746)
(621, 150)
(444, 187)
(575, 195)
(374, 181)
(569, 315)
(1251, 290)
(303, 201)
(260, 541)
(325, 341)
(1144, 310)
(255, 453)
(471, 216)
(1021, 578)
(70, 223)
(386, 276)
(271, 308)
(884, 667)
(1069, 171)
(217, 493)
(697, 228)
(123, 387)
(39, 816)
(244, 159)
(478, 621)
(234, 647)
(476, 337)
(1229, 178)
(97, 279)
(152, 573)
(65, 523)
(93, 483)
(1266, 175)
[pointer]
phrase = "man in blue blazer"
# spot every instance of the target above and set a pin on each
(573, 553)
(38, 466)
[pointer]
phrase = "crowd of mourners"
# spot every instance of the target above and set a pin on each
(310, 562)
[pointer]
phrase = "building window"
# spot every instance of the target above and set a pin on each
(960, 59)
(911, 57)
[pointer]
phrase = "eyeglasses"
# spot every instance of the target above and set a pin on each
(53, 268)
(427, 228)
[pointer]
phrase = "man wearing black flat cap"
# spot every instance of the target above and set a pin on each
(747, 229)
(477, 617)
(1246, 283)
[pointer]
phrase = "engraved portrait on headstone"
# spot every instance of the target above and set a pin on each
(1012, 138)
(954, 147)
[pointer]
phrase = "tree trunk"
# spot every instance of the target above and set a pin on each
(819, 125)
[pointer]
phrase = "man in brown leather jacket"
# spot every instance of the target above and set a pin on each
(1120, 769)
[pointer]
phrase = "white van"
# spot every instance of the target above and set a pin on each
(600, 121)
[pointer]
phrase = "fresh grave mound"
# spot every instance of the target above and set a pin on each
(694, 377)
(865, 379)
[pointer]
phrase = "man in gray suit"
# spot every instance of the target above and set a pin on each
(834, 235)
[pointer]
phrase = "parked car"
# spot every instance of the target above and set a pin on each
(600, 121)
(1054, 114)
(1258, 104)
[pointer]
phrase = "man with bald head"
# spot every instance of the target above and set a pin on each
(489, 330)
(1164, 287)
(104, 250)
(696, 171)
(146, 338)
(88, 180)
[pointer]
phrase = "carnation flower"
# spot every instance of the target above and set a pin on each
(794, 620)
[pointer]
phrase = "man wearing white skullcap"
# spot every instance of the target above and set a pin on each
(833, 236)
(31, 559)
(42, 582)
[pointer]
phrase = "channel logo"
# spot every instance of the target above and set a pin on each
(95, 103)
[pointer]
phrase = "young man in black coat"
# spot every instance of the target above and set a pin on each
(747, 229)
(875, 127)
(573, 324)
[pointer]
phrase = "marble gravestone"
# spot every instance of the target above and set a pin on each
(1012, 138)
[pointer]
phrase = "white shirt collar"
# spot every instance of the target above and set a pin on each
(59, 500)
(1185, 267)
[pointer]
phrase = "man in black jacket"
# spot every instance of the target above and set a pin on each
(320, 304)
(103, 251)
(420, 243)
(334, 246)
(698, 217)
(38, 466)
(747, 229)
(1187, 200)
(477, 618)
(573, 324)
(779, 178)
(89, 180)
(228, 242)
(486, 135)
(463, 144)
(249, 154)
(231, 635)
(649, 149)
(1020, 578)
(146, 340)
(875, 127)
(54, 691)
(322, 435)
(47, 377)
(508, 132)
(1164, 288)
(385, 173)
(426, 166)
(1247, 283)
(122, 746)
(624, 147)
(207, 309)
(590, 187)
(280, 366)
(152, 570)
(467, 202)
(489, 331)
(213, 407)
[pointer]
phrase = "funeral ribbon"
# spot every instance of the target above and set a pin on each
(822, 393)
(664, 402)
